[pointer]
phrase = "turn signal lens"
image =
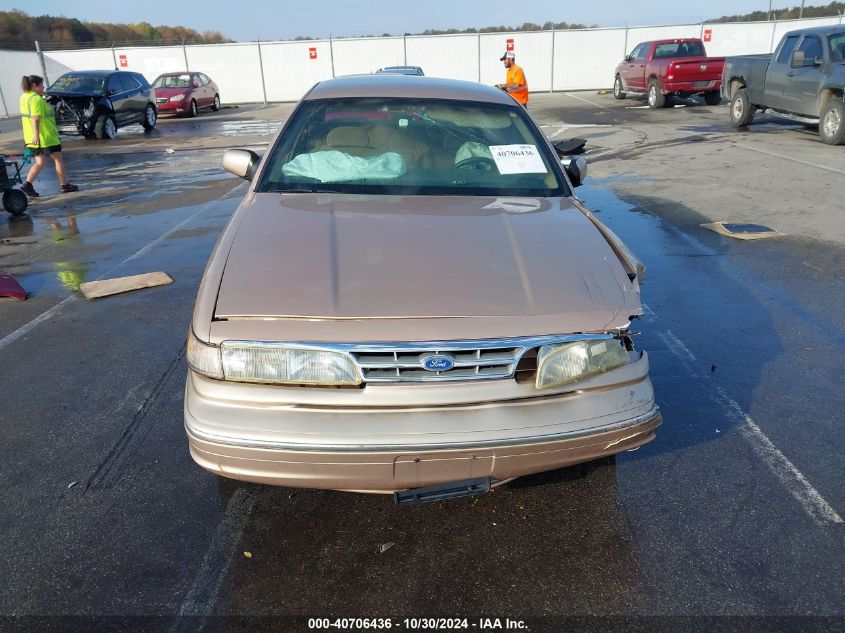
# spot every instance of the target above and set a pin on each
(203, 358)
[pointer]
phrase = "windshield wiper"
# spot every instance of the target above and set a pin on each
(308, 190)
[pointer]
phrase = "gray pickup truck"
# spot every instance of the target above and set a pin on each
(804, 78)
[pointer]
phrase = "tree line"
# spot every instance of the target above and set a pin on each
(19, 29)
(832, 9)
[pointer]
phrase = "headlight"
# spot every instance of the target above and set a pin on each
(559, 365)
(177, 97)
(278, 363)
(204, 359)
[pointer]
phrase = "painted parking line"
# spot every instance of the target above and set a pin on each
(810, 499)
(791, 159)
(587, 101)
(56, 309)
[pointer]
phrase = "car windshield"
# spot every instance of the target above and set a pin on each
(172, 81)
(84, 84)
(679, 49)
(837, 46)
(412, 147)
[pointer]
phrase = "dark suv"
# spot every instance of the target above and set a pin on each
(95, 103)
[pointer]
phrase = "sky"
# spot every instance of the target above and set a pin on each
(285, 19)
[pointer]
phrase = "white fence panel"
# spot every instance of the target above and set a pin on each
(234, 68)
(151, 61)
(587, 59)
(450, 56)
(750, 38)
(649, 33)
(781, 28)
(292, 68)
(366, 55)
(533, 53)
(88, 59)
(15, 65)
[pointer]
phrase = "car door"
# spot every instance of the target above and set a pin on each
(803, 89)
(206, 90)
(779, 74)
(115, 92)
(135, 101)
(633, 71)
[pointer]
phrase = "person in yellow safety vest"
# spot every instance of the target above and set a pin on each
(515, 83)
(40, 134)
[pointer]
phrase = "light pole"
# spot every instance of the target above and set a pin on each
(770, 10)
(801, 12)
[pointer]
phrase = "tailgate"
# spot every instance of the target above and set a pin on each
(699, 69)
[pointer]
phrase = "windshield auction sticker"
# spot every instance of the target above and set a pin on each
(518, 159)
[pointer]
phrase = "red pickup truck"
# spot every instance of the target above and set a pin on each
(670, 67)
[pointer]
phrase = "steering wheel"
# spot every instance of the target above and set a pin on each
(479, 163)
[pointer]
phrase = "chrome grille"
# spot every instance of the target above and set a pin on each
(407, 365)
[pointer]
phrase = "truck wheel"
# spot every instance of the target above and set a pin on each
(618, 93)
(105, 127)
(656, 99)
(832, 122)
(150, 117)
(742, 111)
(15, 201)
(712, 98)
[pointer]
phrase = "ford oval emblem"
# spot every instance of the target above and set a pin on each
(438, 362)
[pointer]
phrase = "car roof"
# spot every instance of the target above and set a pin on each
(92, 72)
(391, 85)
(180, 72)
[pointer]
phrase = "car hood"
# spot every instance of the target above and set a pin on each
(171, 92)
(336, 256)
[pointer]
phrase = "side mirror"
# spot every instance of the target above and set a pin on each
(241, 162)
(798, 59)
(576, 169)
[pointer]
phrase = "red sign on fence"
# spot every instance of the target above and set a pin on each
(708, 35)
(312, 53)
(124, 63)
(508, 45)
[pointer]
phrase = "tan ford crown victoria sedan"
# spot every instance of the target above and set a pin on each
(410, 299)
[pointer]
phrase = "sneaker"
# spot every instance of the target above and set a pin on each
(67, 188)
(29, 190)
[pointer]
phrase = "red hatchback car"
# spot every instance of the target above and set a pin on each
(185, 93)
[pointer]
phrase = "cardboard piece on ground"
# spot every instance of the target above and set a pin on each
(742, 231)
(106, 287)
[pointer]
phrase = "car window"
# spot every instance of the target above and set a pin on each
(114, 84)
(640, 52)
(812, 48)
(172, 81)
(678, 49)
(127, 82)
(83, 84)
(837, 46)
(786, 50)
(412, 147)
(204, 80)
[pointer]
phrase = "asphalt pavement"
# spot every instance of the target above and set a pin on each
(731, 518)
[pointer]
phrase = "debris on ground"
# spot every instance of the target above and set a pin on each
(72, 484)
(384, 547)
(9, 287)
(247, 554)
(118, 285)
(741, 231)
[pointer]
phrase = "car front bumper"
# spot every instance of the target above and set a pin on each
(390, 448)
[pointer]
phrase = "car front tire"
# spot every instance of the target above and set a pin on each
(618, 93)
(192, 112)
(105, 127)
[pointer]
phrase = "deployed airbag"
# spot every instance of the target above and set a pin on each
(334, 166)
